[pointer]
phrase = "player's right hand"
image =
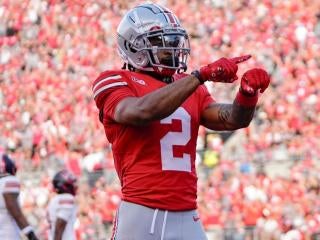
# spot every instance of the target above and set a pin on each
(222, 70)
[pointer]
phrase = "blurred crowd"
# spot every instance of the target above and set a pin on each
(51, 51)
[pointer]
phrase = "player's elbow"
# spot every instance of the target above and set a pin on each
(244, 124)
(144, 116)
(238, 125)
(139, 120)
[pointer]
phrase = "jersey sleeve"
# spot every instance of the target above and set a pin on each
(11, 185)
(205, 98)
(65, 208)
(109, 89)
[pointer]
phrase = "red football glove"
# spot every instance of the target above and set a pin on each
(222, 70)
(253, 80)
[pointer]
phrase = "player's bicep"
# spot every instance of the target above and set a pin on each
(217, 117)
(10, 200)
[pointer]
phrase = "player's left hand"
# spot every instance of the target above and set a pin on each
(253, 80)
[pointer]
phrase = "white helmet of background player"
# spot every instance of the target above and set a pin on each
(151, 38)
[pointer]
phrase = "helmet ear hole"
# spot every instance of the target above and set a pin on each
(139, 43)
(142, 58)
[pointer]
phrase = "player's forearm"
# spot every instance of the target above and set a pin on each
(237, 115)
(158, 104)
(58, 235)
(15, 211)
(241, 116)
(59, 229)
(19, 218)
(243, 109)
(228, 117)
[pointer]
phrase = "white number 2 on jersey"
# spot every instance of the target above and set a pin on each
(169, 162)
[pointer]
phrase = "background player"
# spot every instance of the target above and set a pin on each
(151, 117)
(11, 217)
(62, 210)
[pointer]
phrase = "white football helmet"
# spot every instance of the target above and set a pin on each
(151, 38)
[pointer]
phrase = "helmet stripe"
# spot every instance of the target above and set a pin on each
(159, 7)
(163, 11)
(172, 20)
(168, 14)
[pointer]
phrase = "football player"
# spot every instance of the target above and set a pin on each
(11, 217)
(62, 210)
(151, 111)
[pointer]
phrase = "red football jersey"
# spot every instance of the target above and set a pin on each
(155, 162)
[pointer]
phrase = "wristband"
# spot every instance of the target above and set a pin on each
(26, 230)
(245, 100)
(196, 73)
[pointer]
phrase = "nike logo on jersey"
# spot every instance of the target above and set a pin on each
(195, 218)
(138, 80)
